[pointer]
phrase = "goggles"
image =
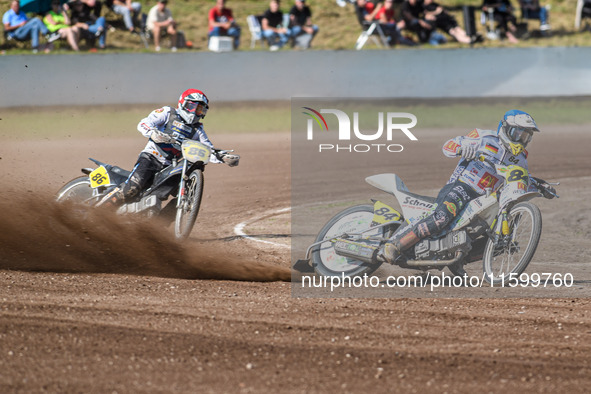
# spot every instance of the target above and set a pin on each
(519, 135)
(196, 107)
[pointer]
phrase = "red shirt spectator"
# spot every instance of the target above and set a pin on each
(220, 15)
(388, 15)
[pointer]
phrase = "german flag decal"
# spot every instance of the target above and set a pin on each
(491, 148)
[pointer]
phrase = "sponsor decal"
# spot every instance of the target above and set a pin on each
(440, 219)
(159, 110)
(456, 174)
(454, 196)
(451, 146)
(451, 207)
(416, 203)
(520, 186)
(487, 180)
(461, 190)
(409, 238)
(423, 230)
(473, 134)
(491, 148)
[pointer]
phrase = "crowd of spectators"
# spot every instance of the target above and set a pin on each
(402, 22)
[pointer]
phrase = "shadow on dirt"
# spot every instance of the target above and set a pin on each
(39, 235)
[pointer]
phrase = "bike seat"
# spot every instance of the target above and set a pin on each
(121, 171)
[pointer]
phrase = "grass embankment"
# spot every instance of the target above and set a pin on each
(338, 26)
(111, 121)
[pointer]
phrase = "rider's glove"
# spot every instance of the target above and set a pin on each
(161, 138)
(548, 192)
(231, 160)
(468, 149)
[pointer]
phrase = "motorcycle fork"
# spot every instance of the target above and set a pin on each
(181, 194)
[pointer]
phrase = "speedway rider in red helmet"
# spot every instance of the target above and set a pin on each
(165, 126)
(471, 177)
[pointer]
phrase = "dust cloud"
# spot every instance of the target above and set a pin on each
(38, 234)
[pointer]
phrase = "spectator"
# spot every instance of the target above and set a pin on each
(366, 11)
(503, 16)
(160, 20)
(300, 20)
(128, 9)
(58, 21)
(83, 17)
(95, 5)
(439, 18)
(412, 14)
(531, 9)
(391, 28)
(18, 26)
(272, 25)
(221, 23)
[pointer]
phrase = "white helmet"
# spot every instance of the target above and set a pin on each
(193, 105)
(516, 130)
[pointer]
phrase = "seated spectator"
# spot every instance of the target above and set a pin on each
(439, 18)
(160, 21)
(83, 17)
(96, 6)
(58, 21)
(391, 28)
(412, 14)
(531, 9)
(366, 11)
(128, 9)
(18, 26)
(300, 20)
(221, 23)
(503, 16)
(272, 25)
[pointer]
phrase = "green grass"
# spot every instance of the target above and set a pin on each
(338, 26)
(224, 118)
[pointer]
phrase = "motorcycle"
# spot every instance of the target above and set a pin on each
(182, 179)
(501, 228)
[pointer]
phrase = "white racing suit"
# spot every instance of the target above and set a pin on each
(468, 181)
(156, 156)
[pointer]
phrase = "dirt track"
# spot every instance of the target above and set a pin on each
(143, 322)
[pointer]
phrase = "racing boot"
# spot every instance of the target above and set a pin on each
(390, 252)
(113, 199)
(393, 249)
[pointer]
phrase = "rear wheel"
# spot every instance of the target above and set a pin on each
(77, 191)
(186, 214)
(511, 256)
(352, 220)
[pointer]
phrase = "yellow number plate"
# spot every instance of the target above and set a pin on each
(383, 213)
(195, 151)
(99, 177)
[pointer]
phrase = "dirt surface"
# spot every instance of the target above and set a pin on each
(100, 305)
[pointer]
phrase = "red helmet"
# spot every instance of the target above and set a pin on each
(193, 105)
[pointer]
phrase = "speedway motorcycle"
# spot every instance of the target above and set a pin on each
(501, 228)
(183, 180)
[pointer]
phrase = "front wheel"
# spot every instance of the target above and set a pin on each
(510, 257)
(352, 220)
(186, 213)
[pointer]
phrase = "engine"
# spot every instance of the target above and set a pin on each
(443, 248)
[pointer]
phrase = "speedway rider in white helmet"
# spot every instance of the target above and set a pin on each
(164, 127)
(471, 177)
